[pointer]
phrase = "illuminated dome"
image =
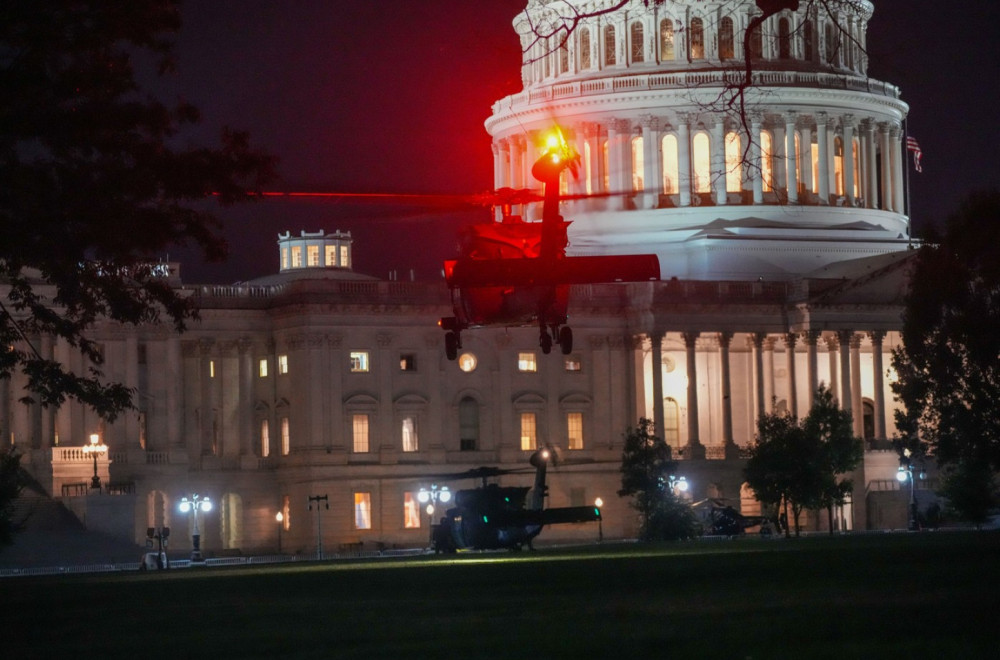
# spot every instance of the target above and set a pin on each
(809, 173)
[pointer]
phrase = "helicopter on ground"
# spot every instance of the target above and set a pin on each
(516, 273)
(493, 517)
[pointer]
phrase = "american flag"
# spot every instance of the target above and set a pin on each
(914, 146)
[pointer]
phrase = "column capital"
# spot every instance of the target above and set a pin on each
(811, 337)
(724, 339)
(690, 338)
(756, 339)
(790, 339)
(876, 336)
(649, 121)
(845, 336)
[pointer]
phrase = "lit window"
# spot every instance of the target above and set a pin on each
(697, 39)
(297, 257)
(734, 163)
(362, 510)
(726, 38)
(282, 364)
(286, 439)
(529, 434)
(331, 255)
(408, 362)
(637, 42)
(262, 367)
(609, 45)
(410, 434)
(701, 163)
(359, 428)
(467, 362)
(284, 258)
(572, 363)
(637, 165)
(671, 169)
(312, 255)
(666, 39)
(345, 257)
(574, 430)
(671, 422)
(211, 368)
(265, 439)
(411, 511)
(286, 512)
(359, 361)
(526, 362)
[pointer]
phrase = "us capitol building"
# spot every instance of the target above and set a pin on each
(783, 241)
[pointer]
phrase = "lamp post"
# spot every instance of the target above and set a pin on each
(431, 498)
(677, 484)
(600, 520)
(904, 474)
(319, 521)
(95, 449)
(193, 505)
(280, 519)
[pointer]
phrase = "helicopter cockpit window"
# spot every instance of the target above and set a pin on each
(467, 362)
(526, 362)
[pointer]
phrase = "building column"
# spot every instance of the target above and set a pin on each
(651, 162)
(896, 151)
(131, 419)
(793, 404)
(847, 123)
(856, 404)
(656, 348)
(592, 134)
(871, 164)
(805, 159)
(792, 159)
(684, 159)
(832, 348)
(876, 338)
(756, 165)
(206, 418)
(769, 393)
(756, 341)
(173, 382)
(693, 449)
(729, 445)
(503, 174)
(823, 156)
(810, 337)
(886, 173)
(245, 405)
(846, 395)
(718, 161)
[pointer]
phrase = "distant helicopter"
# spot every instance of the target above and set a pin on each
(495, 517)
(516, 273)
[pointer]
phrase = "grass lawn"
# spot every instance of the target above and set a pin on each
(927, 595)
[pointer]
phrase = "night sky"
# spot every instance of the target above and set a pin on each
(391, 96)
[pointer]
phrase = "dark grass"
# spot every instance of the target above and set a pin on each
(928, 595)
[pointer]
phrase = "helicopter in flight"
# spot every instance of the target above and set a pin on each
(516, 273)
(493, 517)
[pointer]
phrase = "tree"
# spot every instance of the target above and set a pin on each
(11, 483)
(799, 464)
(971, 490)
(948, 365)
(646, 470)
(95, 186)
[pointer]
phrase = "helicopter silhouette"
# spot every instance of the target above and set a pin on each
(493, 517)
(516, 273)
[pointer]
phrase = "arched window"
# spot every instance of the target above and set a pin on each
(766, 162)
(637, 45)
(756, 43)
(265, 439)
(609, 45)
(701, 163)
(468, 424)
(808, 41)
(726, 50)
(697, 37)
(868, 416)
(784, 39)
(584, 48)
(671, 169)
(838, 165)
(671, 422)
(666, 39)
(638, 185)
(734, 163)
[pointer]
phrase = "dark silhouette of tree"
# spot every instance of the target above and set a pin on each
(646, 470)
(11, 483)
(971, 490)
(95, 185)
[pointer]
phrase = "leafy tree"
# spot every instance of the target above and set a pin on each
(840, 449)
(971, 490)
(11, 482)
(96, 184)
(949, 363)
(646, 470)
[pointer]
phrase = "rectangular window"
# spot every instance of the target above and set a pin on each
(411, 511)
(344, 257)
(362, 510)
(360, 431)
(410, 434)
(297, 257)
(572, 363)
(265, 439)
(262, 367)
(331, 255)
(286, 438)
(359, 361)
(284, 258)
(528, 432)
(211, 368)
(574, 430)
(312, 255)
(282, 364)
(408, 362)
(526, 362)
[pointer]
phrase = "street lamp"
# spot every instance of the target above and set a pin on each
(904, 474)
(678, 484)
(280, 519)
(431, 498)
(600, 520)
(193, 506)
(95, 449)
(319, 521)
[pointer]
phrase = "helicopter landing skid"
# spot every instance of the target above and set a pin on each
(562, 335)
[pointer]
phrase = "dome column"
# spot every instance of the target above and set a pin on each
(792, 156)
(501, 173)
(718, 161)
(805, 159)
(847, 122)
(684, 159)
(756, 169)
(886, 201)
(896, 153)
(870, 167)
(823, 144)
(651, 161)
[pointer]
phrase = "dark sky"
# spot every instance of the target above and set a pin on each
(391, 95)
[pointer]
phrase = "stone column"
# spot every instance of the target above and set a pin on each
(871, 167)
(46, 416)
(832, 348)
(847, 123)
(793, 404)
(245, 396)
(769, 393)
(896, 151)
(732, 451)
(756, 166)
(684, 159)
(497, 166)
(886, 173)
(810, 337)
(823, 144)
(130, 419)
(718, 161)
(503, 163)
(756, 344)
(206, 404)
(694, 449)
(515, 179)
(792, 156)
(656, 352)
(876, 337)
(856, 405)
(805, 158)
(846, 396)
(593, 137)
(173, 381)
(651, 161)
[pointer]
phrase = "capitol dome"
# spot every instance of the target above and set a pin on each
(798, 170)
